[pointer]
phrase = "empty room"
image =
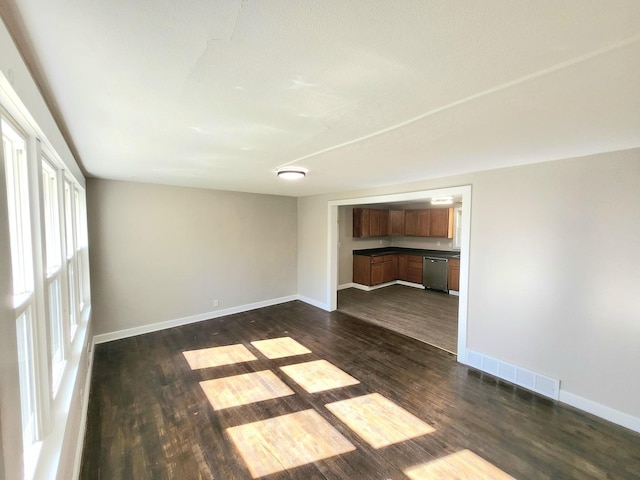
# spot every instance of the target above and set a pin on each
(285, 239)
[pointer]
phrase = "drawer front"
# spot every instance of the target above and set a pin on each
(379, 259)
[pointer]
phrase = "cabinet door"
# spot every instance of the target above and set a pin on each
(374, 223)
(424, 223)
(396, 223)
(377, 273)
(411, 223)
(390, 268)
(403, 265)
(414, 268)
(384, 223)
(362, 270)
(441, 223)
(361, 222)
(454, 274)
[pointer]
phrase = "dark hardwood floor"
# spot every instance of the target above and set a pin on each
(150, 417)
(426, 315)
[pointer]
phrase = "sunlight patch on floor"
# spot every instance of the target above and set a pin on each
(318, 376)
(280, 347)
(218, 356)
(244, 389)
(286, 442)
(462, 465)
(379, 421)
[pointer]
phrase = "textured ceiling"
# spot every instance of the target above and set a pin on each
(218, 94)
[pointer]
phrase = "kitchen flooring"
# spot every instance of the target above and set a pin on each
(293, 392)
(426, 315)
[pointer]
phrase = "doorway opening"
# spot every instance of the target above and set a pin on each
(464, 193)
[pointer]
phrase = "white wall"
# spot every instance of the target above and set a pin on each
(161, 253)
(543, 294)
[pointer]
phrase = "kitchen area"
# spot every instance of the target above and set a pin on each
(399, 267)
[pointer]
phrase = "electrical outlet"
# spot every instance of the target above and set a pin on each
(216, 304)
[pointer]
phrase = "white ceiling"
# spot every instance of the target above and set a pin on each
(219, 94)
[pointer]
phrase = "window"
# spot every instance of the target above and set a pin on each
(27, 369)
(56, 353)
(51, 217)
(14, 147)
(49, 262)
(68, 219)
(19, 214)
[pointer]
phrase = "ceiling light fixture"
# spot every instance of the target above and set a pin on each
(291, 173)
(442, 201)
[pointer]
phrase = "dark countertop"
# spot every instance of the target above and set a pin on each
(376, 252)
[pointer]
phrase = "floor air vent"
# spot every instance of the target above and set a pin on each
(547, 386)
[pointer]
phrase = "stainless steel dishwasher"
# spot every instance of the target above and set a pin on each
(435, 273)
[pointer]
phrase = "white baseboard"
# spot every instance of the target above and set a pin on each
(410, 284)
(154, 327)
(547, 386)
(602, 411)
(366, 288)
(315, 303)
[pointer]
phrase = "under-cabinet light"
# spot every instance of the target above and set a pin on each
(442, 201)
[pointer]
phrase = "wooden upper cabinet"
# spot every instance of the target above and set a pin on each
(424, 223)
(441, 222)
(435, 222)
(411, 223)
(396, 223)
(416, 223)
(360, 222)
(370, 222)
(373, 222)
(379, 223)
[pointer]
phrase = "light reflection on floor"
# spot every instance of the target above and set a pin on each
(280, 347)
(244, 389)
(288, 441)
(218, 356)
(460, 465)
(318, 376)
(379, 421)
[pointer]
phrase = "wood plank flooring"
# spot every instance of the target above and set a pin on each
(149, 417)
(428, 316)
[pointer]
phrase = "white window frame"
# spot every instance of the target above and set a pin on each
(22, 211)
(51, 201)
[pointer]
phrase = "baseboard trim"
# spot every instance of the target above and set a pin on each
(312, 302)
(154, 327)
(602, 411)
(367, 288)
(410, 284)
(547, 386)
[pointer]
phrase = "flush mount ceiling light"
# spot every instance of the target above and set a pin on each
(442, 201)
(291, 173)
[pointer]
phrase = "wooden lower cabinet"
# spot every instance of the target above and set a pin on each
(454, 274)
(410, 268)
(375, 270)
(386, 268)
